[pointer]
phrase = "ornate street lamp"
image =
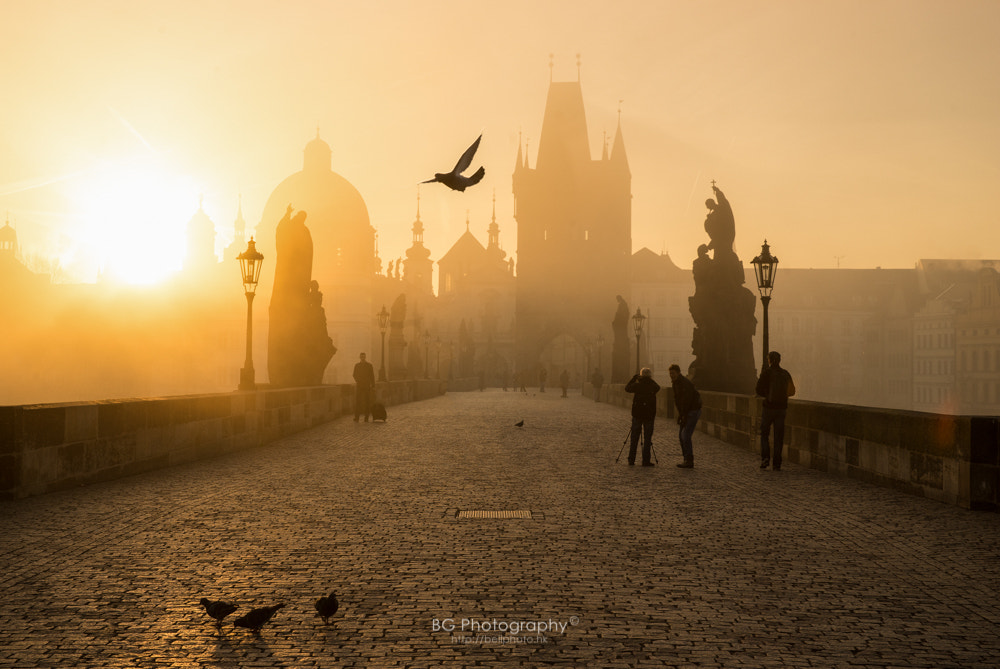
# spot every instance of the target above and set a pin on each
(427, 354)
(383, 323)
(437, 350)
(250, 263)
(637, 321)
(600, 346)
(765, 266)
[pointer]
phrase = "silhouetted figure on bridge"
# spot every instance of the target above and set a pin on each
(364, 377)
(644, 389)
(775, 385)
(564, 382)
(597, 380)
(687, 400)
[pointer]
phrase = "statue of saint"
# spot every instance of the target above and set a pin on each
(720, 224)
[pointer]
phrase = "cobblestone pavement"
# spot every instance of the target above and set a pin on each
(724, 565)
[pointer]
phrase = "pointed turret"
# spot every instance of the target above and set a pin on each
(618, 156)
(418, 265)
(563, 141)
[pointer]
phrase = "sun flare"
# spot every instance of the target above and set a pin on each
(132, 218)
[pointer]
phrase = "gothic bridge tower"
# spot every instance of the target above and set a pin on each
(574, 238)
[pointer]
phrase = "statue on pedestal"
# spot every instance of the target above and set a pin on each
(722, 309)
(298, 346)
(620, 358)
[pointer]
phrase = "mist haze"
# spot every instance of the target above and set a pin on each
(849, 134)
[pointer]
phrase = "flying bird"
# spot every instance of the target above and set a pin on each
(519, 423)
(217, 610)
(258, 617)
(454, 179)
(326, 607)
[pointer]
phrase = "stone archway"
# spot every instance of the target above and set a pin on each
(564, 352)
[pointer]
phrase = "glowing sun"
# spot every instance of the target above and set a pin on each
(131, 220)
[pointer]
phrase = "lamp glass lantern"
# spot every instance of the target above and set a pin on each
(250, 264)
(765, 266)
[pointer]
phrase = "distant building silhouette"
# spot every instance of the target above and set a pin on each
(200, 242)
(240, 238)
(574, 236)
(344, 251)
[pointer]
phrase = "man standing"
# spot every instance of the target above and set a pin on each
(643, 413)
(564, 381)
(597, 380)
(775, 385)
(364, 377)
(687, 399)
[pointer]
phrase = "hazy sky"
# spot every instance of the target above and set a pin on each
(866, 129)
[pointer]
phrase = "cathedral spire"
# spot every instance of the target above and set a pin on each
(518, 162)
(493, 231)
(618, 150)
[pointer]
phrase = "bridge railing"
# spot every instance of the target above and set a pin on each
(47, 447)
(952, 459)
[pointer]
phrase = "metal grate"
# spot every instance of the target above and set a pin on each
(506, 513)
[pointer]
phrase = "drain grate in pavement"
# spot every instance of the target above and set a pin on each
(505, 513)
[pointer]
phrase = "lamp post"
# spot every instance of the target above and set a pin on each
(383, 323)
(600, 345)
(765, 266)
(437, 351)
(637, 320)
(427, 354)
(250, 262)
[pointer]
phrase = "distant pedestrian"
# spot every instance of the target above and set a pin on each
(543, 374)
(564, 381)
(506, 379)
(775, 385)
(597, 380)
(643, 414)
(364, 377)
(519, 382)
(687, 399)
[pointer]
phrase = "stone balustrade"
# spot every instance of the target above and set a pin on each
(47, 447)
(952, 459)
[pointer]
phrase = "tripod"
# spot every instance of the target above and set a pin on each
(629, 434)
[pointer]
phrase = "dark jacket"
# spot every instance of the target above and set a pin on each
(686, 396)
(364, 374)
(644, 401)
(775, 386)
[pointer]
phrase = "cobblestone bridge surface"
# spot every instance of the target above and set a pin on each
(614, 566)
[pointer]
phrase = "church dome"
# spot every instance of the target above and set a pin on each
(336, 215)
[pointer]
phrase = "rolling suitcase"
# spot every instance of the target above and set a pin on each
(378, 412)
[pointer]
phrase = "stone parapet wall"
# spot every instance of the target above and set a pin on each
(47, 447)
(952, 459)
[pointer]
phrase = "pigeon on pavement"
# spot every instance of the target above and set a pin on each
(454, 179)
(326, 607)
(218, 610)
(258, 617)
(519, 423)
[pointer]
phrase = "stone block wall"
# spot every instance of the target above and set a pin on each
(952, 459)
(50, 447)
